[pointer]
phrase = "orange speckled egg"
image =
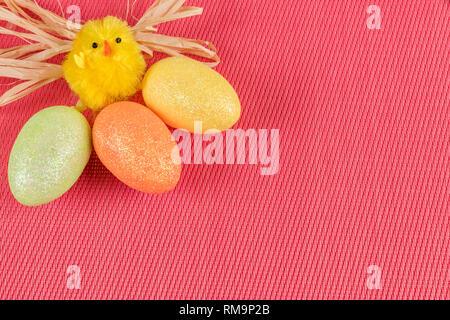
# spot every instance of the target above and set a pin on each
(137, 147)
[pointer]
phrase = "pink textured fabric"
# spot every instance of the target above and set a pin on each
(364, 170)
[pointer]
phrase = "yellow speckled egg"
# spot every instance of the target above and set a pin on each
(182, 91)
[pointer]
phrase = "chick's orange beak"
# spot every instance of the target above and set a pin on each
(107, 49)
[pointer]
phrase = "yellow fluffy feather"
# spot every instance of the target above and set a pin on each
(105, 64)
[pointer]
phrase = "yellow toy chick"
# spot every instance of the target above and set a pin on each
(104, 60)
(105, 64)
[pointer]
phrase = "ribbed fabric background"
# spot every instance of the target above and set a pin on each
(364, 170)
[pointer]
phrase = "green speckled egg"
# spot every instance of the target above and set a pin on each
(49, 155)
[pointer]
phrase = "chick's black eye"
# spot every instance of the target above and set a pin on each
(95, 45)
(118, 40)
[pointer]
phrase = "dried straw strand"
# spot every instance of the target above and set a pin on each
(51, 35)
